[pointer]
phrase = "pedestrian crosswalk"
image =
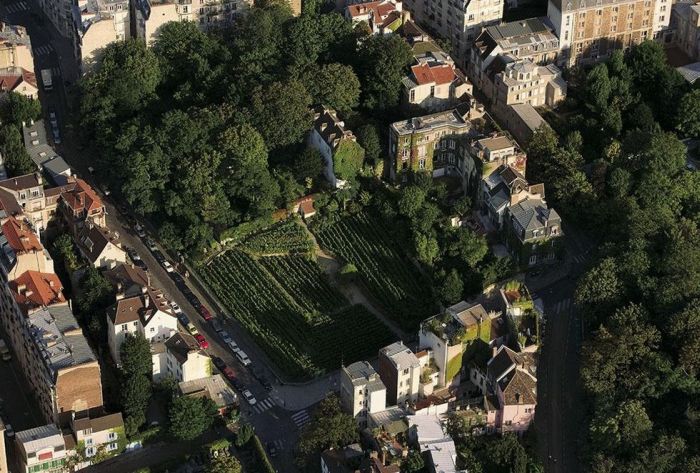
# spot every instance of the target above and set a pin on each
(56, 71)
(43, 50)
(301, 418)
(579, 258)
(263, 405)
(17, 7)
(560, 307)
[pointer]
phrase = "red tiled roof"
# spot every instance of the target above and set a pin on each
(35, 289)
(20, 237)
(424, 74)
(379, 9)
(11, 78)
(82, 197)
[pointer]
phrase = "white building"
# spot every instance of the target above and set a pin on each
(400, 370)
(42, 449)
(428, 433)
(327, 135)
(148, 314)
(362, 391)
(181, 358)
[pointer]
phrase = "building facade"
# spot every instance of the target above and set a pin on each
(685, 24)
(180, 358)
(362, 391)
(435, 86)
(328, 136)
(400, 371)
(525, 82)
(503, 188)
(15, 48)
(533, 232)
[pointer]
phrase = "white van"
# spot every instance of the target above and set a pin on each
(243, 358)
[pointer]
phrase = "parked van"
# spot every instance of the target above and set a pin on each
(243, 358)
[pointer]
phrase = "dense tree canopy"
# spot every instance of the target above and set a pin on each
(191, 416)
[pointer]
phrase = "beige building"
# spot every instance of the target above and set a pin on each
(100, 23)
(458, 21)
(42, 449)
(521, 120)
(590, 30)
(21, 250)
(496, 150)
(180, 358)
(15, 48)
(94, 436)
(19, 81)
(100, 246)
(213, 387)
(685, 24)
(327, 136)
(362, 391)
(400, 371)
(149, 16)
(381, 16)
(525, 82)
(435, 85)
(25, 194)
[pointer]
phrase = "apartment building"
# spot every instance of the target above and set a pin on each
(42, 449)
(99, 23)
(79, 205)
(436, 143)
(525, 82)
(534, 233)
(43, 154)
(92, 436)
(362, 391)
(460, 21)
(15, 48)
(328, 135)
(434, 85)
(495, 150)
(503, 188)
(525, 39)
(100, 246)
(685, 24)
(180, 358)
(147, 17)
(381, 17)
(25, 195)
(590, 30)
(21, 250)
(400, 371)
(148, 313)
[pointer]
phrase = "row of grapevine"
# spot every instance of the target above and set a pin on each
(272, 298)
(286, 237)
(394, 282)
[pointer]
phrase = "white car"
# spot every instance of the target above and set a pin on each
(168, 267)
(176, 308)
(151, 244)
(232, 345)
(249, 397)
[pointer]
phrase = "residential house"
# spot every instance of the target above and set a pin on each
(524, 316)
(43, 155)
(503, 188)
(427, 433)
(400, 372)
(446, 336)
(42, 449)
(328, 135)
(304, 206)
(21, 250)
(533, 232)
(20, 81)
(80, 204)
(521, 120)
(435, 86)
(15, 48)
(213, 387)
(436, 143)
(100, 246)
(523, 39)
(497, 150)
(590, 30)
(148, 314)
(459, 22)
(685, 24)
(25, 194)
(102, 435)
(127, 279)
(180, 358)
(512, 397)
(362, 391)
(383, 16)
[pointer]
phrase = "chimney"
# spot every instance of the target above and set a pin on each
(146, 300)
(324, 126)
(51, 283)
(494, 350)
(39, 178)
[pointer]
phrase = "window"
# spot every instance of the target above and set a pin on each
(124, 327)
(136, 324)
(112, 436)
(22, 196)
(432, 91)
(452, 144)
(90, 451)
(412, 95)
(88, 441)
(405, 371)
(421, 164)
(533, 259)
(153, 329)
(112, 447)
(508, 422)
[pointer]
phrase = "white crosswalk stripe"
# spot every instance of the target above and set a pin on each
(43, 50)
(263, 405)
(17, 7)
(301, 418)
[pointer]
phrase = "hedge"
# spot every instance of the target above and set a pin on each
(264, 465)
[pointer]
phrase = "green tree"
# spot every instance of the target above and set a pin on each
(451, 288)
(330, 427)
(413, 463)
(599, 291)
(427, 248)
(598, 88)
(281, 113)
(411, 201)
(224, 463)
(368, 137)
(381, 64)
(308, 165)
(14, 154)
(136, 394)
(336, 86)
(244, 434)
(190, 417)
(16, 109)
(348, 159)
(63, 245)
(135, 356)
(689, 115)
(467, 246)
(684, 330)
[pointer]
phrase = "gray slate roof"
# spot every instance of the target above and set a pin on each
(532, 214)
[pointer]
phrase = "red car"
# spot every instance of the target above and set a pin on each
(203, 343)
(229, 373)
(204, 312)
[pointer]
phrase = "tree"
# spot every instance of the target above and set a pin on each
(63, 245)
(368, 137)
(281, 113)
(308, 165)
(451, 288)
(413, 463)
(14, 154)
(17, 109)
(348, 159)
(684, 329)
(244, 434)
(224, 463)
(427, 248)
(381, 64)
(190, 417)
(689, 115)
(336, 86)
(598, 88)
(467, 246)
(135, 356)
(136, 393)
(599, 291)
(411, 201)
(330, 427)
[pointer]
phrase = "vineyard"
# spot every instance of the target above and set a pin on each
(396, 284)
(286, 237)
(286, 303)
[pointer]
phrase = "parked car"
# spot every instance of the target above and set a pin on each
(249, 397)
(232, 345)
(192, 299)
(192, 329)
(168, 267)
(10, 432)
(176, 308)
(151, 244)
(219, 363)
(243, 358)
(140, 231)
(272, 449)
(238, 384)
(52, 117)
(203, 343)
(204, 312)
(160, 257)
(183, 319)
(229, 373)
(179, 281)
(217, 326)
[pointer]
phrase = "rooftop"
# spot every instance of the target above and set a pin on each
(330, 127)
(450, 118)
(93, 239)
(14, 34)
(401, 356)
(12, 77)
(139, 307)
(439, 74)
(690, 72)
(82, 197)
(18, 183)
(528, 115)
(360, 372)
(181, 345)
(214, 387)
(496, 143)
(40, 438)
(33, 289)
(533, 214)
